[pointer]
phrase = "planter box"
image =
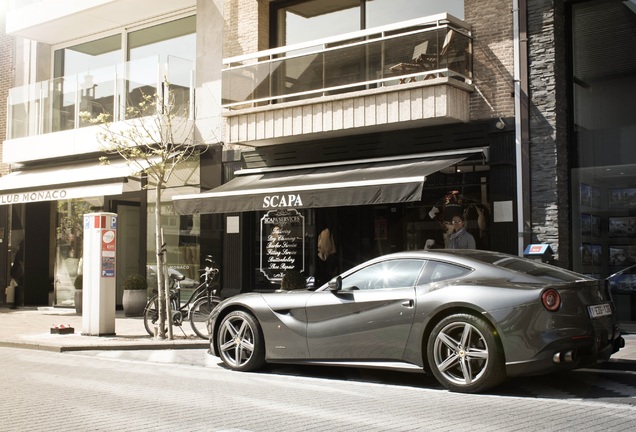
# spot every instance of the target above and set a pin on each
(65, 330)
(134, 302)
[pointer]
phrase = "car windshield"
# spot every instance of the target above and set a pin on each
(529, 267)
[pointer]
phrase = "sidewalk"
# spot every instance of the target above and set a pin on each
(31, 328)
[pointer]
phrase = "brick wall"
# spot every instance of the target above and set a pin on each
(247, 27)
(6, 80)
(493, 58)
(548, 141)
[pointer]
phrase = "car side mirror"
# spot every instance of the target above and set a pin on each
(335, 284)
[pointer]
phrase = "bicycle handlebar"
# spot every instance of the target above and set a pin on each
(209, 271)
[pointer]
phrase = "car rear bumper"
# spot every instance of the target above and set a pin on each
(570, 353)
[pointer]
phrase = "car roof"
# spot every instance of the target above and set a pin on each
(482, 259)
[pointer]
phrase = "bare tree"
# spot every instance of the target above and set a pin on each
(156, 138)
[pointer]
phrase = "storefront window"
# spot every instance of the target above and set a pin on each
(182, 233)
(604, 166)
(68, 247)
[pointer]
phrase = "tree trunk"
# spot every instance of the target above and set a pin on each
(161, 285)
(164, 270)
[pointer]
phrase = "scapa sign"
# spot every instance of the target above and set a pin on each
(282, 201)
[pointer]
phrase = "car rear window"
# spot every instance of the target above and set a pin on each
(532, 268)
(436, 271)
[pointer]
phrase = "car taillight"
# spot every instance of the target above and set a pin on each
(551, 299)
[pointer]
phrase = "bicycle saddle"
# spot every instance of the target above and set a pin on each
(177, 276)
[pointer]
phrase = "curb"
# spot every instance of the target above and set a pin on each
(105, 347)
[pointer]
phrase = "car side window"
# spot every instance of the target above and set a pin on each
(387, 274)
(436, 271)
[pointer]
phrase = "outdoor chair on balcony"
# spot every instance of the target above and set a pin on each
(422, 61)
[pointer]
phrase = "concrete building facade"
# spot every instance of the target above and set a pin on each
(369, 123)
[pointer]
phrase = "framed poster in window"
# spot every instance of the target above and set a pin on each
(282, 241)
(622, 255)
(586, 195)
(586, 254)
(622, 226)
(597, 254)
(596, 197)
(586, 224)
(622, 198)
(596, 226)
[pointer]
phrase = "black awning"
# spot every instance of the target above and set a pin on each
(346, 184)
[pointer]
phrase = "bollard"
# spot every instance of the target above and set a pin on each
(9, 293)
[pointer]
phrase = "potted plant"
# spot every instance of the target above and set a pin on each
(135, 295)
(293, 280)
(77, 297)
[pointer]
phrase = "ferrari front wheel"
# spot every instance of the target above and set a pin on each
(240, 342)
(464, 354)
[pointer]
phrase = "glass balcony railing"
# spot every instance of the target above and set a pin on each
(438, 46)
(55, 105)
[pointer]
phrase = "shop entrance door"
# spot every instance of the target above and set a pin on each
(128, 237)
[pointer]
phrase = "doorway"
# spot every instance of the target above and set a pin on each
(128, 244)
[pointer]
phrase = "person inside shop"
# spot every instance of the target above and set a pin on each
(327, 264)
(456, 235)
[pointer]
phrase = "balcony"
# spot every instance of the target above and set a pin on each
(56, 21)
(44, 117)
(413, 73)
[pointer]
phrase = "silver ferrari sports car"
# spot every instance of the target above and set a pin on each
(470, 318)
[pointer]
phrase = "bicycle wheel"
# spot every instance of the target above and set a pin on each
(199, 315)
(151, 316)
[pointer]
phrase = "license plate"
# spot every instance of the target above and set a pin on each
(599, 310)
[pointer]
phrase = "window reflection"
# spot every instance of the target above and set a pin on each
(88, 67)
(176, 38)
(388, 274)
(69, 246)
(316, 19)
(382, 12)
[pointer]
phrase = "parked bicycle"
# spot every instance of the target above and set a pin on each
(198, 307)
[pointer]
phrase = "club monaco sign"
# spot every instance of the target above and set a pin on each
(60, 194)
(27, 197)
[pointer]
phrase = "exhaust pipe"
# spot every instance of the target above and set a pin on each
(563, 357)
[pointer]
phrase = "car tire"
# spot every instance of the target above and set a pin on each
(464, 354)
(240, 342)
(199, 315)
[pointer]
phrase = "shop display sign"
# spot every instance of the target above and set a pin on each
(282, 243)
(108, 252)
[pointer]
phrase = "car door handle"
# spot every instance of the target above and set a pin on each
(408, 303)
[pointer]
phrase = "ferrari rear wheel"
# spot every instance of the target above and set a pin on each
(464, 354)
(240, 342)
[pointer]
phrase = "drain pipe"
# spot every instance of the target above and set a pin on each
(520, 41)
